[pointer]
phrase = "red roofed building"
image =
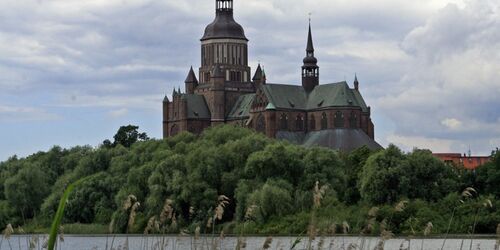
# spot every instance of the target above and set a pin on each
(468, 162)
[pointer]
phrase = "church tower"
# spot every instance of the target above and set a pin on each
(310, 69)
(224, 43)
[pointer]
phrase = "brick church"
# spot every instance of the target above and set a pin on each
(331, 115)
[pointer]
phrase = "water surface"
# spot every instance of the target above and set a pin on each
(139, 242)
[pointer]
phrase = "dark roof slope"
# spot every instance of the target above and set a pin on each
(197, 107)
(339, 139)
(327, 95)
(241, 108)
(285, 96)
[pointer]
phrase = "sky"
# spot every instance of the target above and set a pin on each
(72, 72)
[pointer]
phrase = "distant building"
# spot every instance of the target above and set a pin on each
(466, 161)
(331, 115)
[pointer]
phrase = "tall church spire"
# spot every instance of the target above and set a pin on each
(310, 46)
(310, 69)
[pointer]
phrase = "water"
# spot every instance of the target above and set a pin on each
(74, 242)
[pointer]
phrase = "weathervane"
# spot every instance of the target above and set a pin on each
(310, 14)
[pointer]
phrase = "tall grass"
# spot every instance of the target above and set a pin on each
(60, 212)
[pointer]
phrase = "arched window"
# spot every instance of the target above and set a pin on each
(324, 121)
(299, 123)
(284, 122)
(353, 120)
(174, 130)
(338, 119)
(312, 123)
(261, 124)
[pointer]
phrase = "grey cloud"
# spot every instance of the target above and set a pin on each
(454, 76)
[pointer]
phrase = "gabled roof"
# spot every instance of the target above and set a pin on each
(197, 107)
(335, 95)
(327, 95)
(241, 108)
(285, 96)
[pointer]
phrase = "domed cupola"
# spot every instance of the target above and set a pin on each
(224, 43)
(224, 25)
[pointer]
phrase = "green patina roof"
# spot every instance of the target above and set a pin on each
(335, 95)
(326, 95)
(242, 107)
(196, 107)
(285, 96)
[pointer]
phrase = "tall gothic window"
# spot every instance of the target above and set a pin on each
(261, 124)
(353, 120)
(338, 119)
(312, 123)
(299, 123)
(284, 122)
(324, 121)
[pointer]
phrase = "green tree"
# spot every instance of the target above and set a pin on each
(272, 199)
(128, 135)
(488, 175)
(26, 190)
(380, 177)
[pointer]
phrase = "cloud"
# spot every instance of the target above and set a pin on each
(25, 114)
(451, 123)
(118, 113)
(453, 71)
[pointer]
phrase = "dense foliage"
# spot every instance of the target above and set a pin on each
(178, 183)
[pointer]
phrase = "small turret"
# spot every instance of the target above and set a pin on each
(260, 76)
(191, 82)
(356, 83)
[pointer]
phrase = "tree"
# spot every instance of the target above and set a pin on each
(380, 177)
(488, 175)
(127, 135)
(26, 190)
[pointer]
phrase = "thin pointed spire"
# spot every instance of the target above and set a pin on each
(310, 45)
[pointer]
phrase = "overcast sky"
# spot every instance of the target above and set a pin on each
(73, 71)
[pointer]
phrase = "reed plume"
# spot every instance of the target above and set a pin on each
(129, 202)
(345, 227)
(267, 243)
(8, 231)
(219, 210)
(167, 211)
(131, 217)
(150, 226)
(318, 194)
(400, 207)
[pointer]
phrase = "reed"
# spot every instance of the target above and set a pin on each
(60, 212)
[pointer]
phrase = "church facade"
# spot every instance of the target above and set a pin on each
(331, 115)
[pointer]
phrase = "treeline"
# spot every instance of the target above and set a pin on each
(236, 180)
